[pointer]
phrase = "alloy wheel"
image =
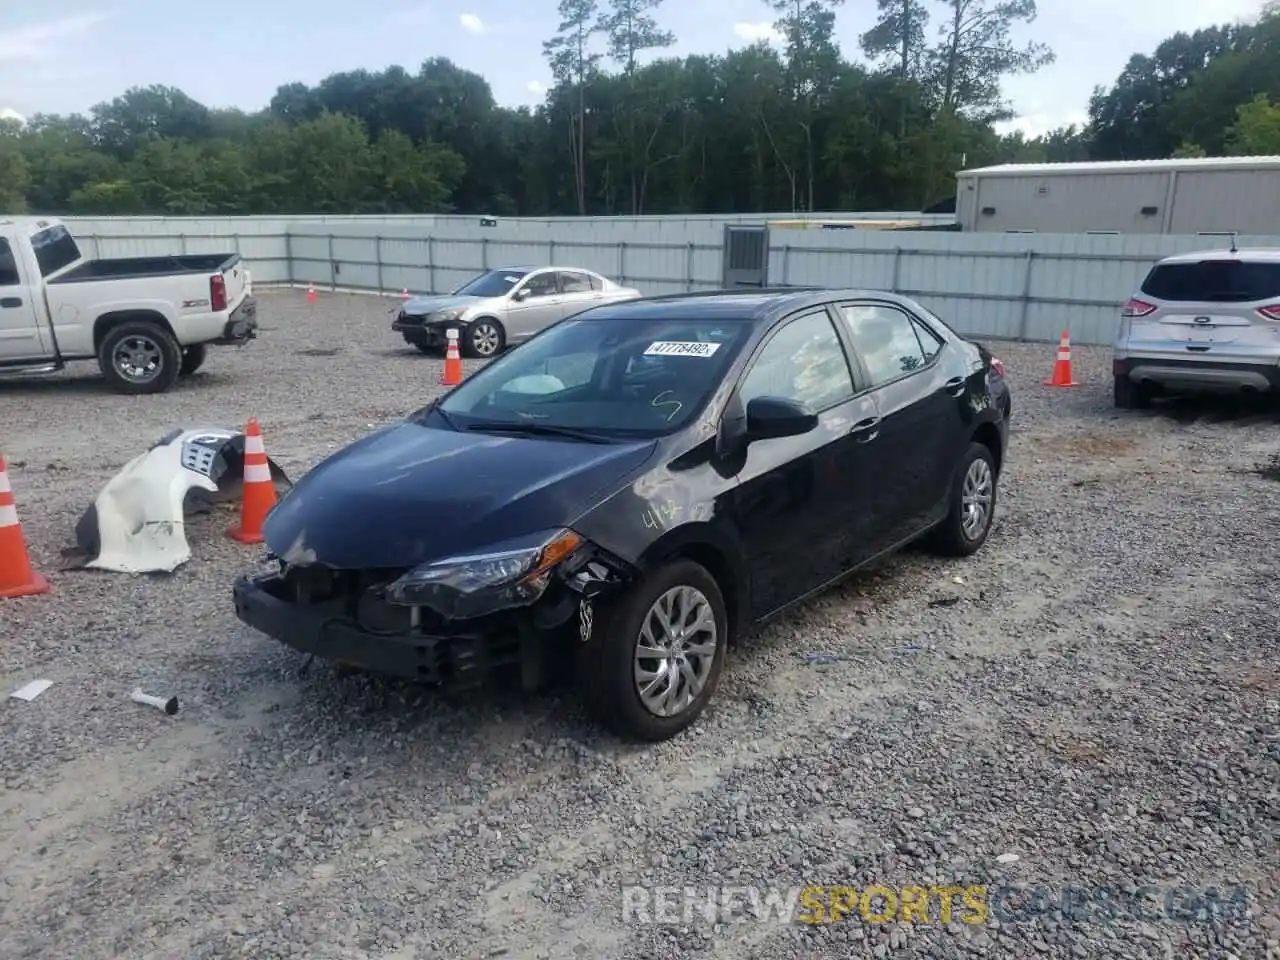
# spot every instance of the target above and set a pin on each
(138, 358)
(675, 651)
(976, 498)
(485, 339)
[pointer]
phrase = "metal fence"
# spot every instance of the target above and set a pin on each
(1024, 287)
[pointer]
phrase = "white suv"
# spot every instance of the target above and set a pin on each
(1201, 322)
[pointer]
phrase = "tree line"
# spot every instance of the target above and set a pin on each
(791, 125)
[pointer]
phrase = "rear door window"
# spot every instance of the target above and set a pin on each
(1213, 281)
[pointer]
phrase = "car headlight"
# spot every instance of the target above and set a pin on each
(447, 316)
(512, 574)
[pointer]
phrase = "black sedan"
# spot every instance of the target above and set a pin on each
(632, 487)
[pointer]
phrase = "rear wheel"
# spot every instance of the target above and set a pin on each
(140, 356)
(973, 504)
(193, 359)
(651, 663)
(1130, 395)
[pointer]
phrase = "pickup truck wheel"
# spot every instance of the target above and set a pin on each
(485, 338)
(650, 665)
(193, 359)
(140, 357)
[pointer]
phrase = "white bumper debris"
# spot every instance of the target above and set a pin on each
(138, 522)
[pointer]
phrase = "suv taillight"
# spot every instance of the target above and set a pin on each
(217, 293)
(1272, 312)
(1136, 308)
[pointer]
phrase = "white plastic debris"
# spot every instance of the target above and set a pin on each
(169, 706)
(1008, 858)
(32, 690)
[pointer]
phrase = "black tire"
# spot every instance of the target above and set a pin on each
(1130, 395)
(606, 660)
(193, 359)
(953, 537)
(147, 337)
(483, 339)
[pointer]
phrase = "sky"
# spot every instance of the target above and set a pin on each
(60, 56)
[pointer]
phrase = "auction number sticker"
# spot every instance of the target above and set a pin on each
(678, 348)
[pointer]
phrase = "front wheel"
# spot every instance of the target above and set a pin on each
(139, 357)
(973, 504)
(483, 339)
(651, 664)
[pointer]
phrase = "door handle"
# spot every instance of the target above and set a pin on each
(866, 430)
(955, 386)
(10, 302)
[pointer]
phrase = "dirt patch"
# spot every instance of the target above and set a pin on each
(1096, 445)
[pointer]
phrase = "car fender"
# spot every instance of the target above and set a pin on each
(717, 547)
(137, 522)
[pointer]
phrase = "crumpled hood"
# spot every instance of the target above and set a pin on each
(410, 493)
(421, 306)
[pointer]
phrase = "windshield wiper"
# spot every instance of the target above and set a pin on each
(538, 429)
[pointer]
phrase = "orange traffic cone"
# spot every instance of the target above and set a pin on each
(452, 361)
(311, 293)
(404, 294)
(259, 490)
(17, 579)
(1062, 366)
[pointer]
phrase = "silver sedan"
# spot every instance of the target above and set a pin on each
(505, 306)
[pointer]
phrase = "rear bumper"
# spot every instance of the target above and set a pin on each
(242, 325)
(463, 657)
(1219, 376)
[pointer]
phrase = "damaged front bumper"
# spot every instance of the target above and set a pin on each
(349, 617)
(419, 332)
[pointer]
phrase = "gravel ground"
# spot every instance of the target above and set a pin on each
(1100, 699)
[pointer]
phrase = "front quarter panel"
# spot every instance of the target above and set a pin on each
(675, 505)
(495, 307)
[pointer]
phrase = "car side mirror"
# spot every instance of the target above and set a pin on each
(521, 294)
(771, 417)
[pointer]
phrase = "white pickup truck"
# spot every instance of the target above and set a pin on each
(145, 320)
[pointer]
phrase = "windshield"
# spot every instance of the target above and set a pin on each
(624, 377)
(495, 283)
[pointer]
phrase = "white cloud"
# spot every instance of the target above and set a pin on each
(471, 23)
(40, 40)
(533, 86)
(755, 32)
(1037, 122)
(8, 113)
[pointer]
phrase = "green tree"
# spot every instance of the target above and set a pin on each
(573, 63)
(1256, 131)
(15, 177)
(630, 29)
(976, 52)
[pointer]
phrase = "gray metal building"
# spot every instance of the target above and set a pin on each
(1198, 195)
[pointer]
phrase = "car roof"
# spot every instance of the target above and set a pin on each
(758, 305)
(1249, 254)
(545, 266)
